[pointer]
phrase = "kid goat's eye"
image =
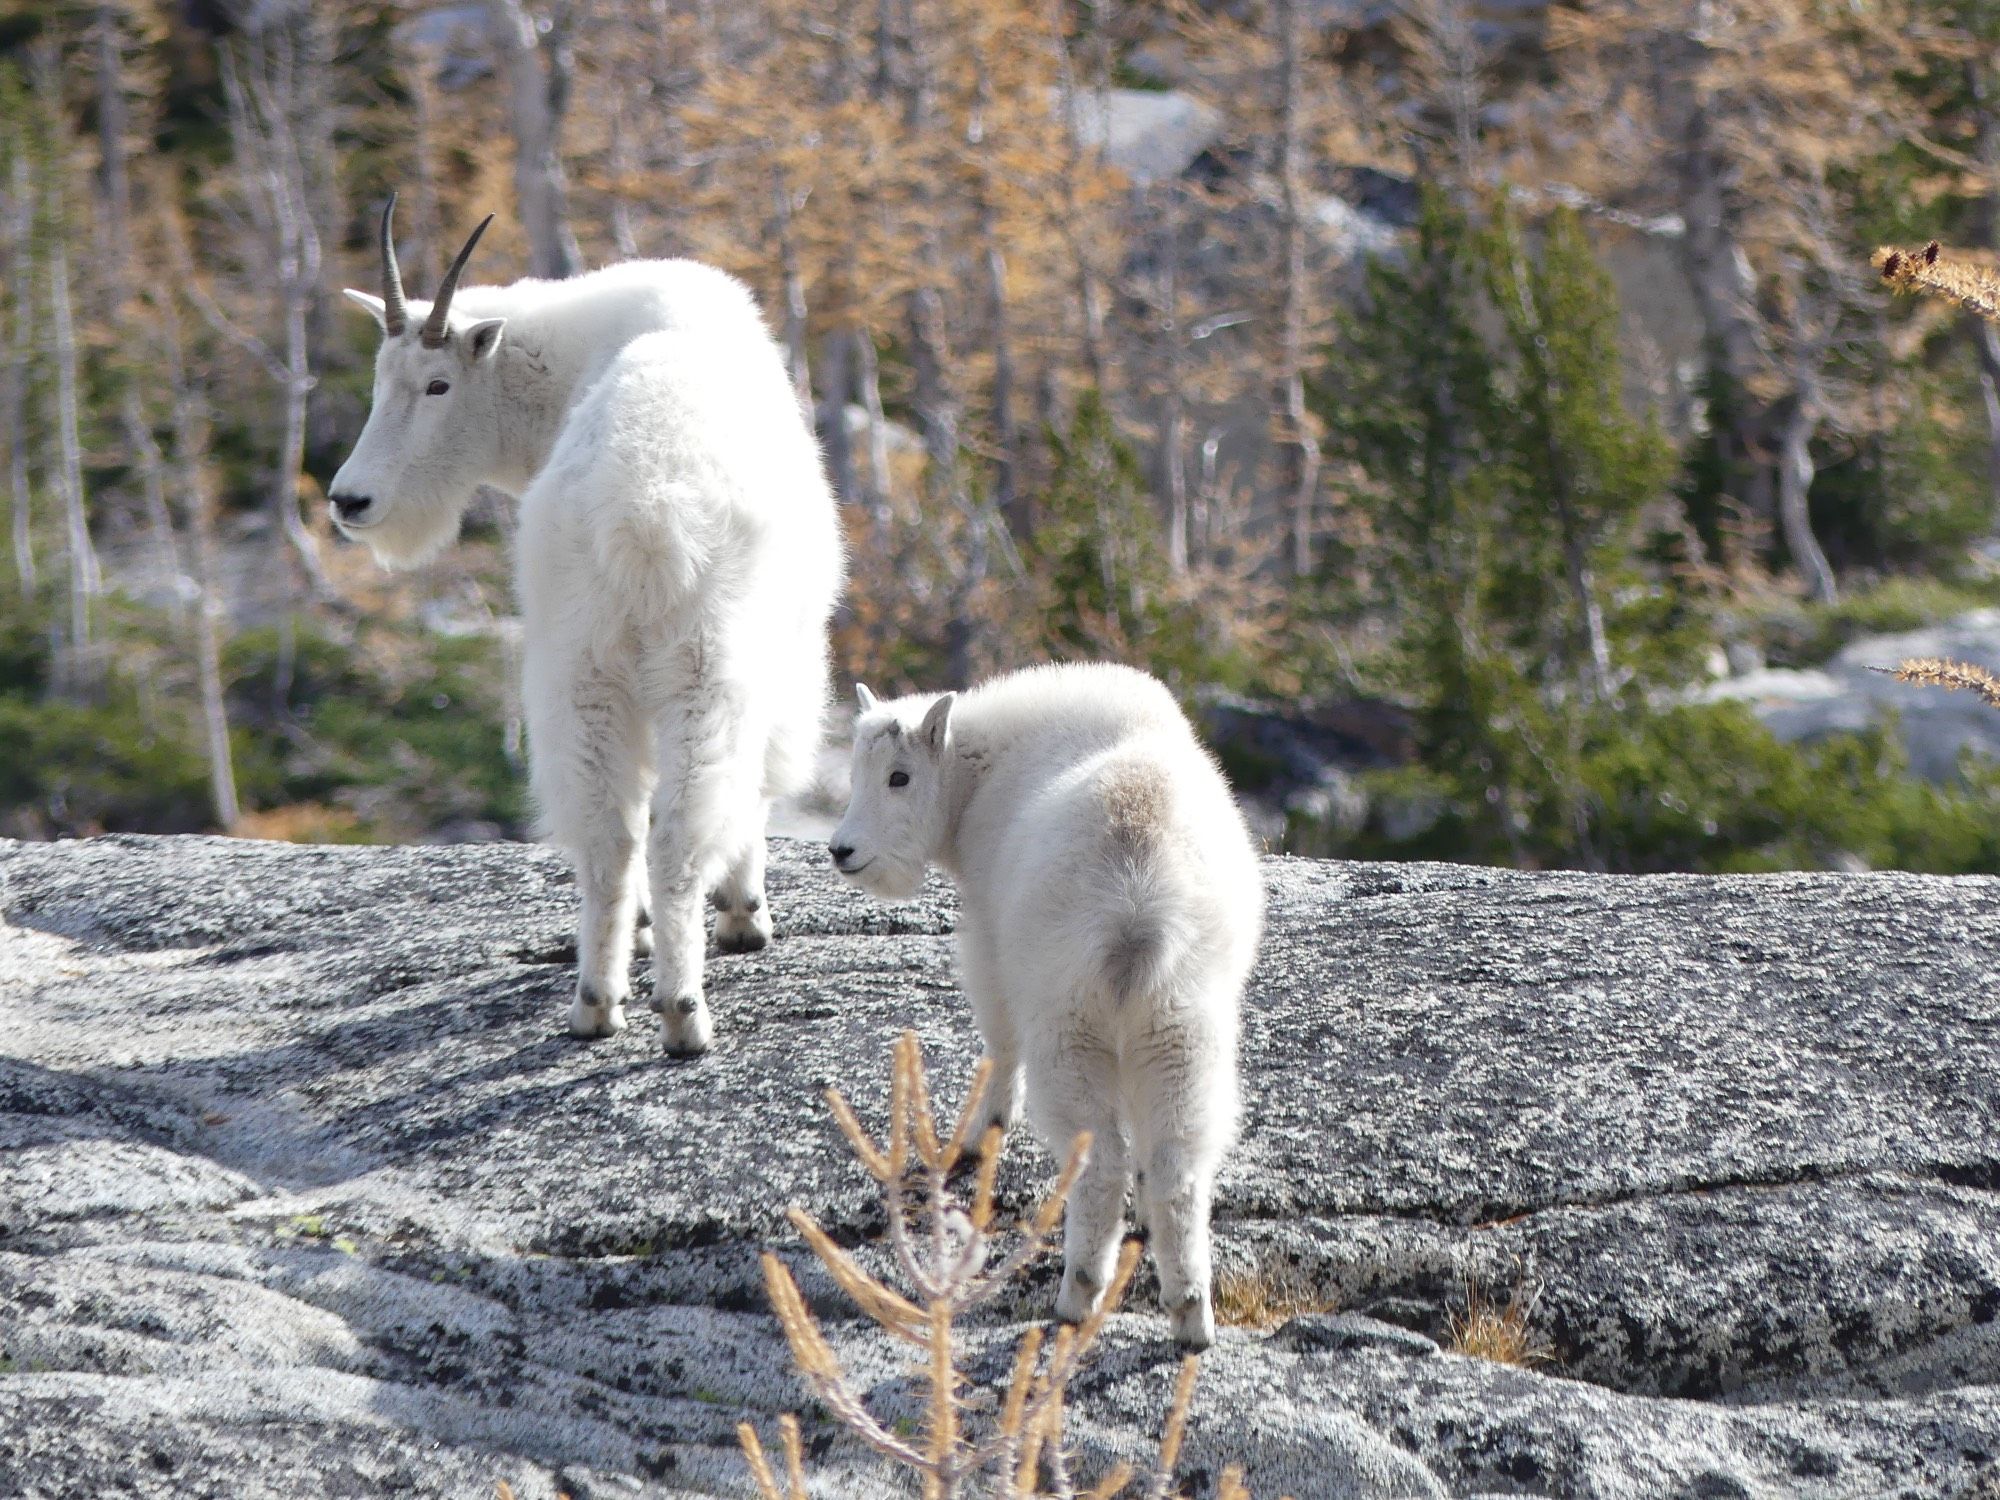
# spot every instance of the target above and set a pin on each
(899, 778)
(437, 387)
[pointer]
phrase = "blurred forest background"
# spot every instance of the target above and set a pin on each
(1482, 411)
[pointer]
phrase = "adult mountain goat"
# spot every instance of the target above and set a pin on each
(677, 558)
(1109, 910)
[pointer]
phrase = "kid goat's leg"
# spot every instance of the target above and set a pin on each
(984, 979)
(1073, 1088)
(1182, 1103)
(589, 773)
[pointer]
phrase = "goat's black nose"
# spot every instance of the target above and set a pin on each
(841, 852)
(350, 507)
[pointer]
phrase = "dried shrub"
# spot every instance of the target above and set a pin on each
(952, 1257)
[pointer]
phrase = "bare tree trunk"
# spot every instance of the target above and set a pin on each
(425, 262)
(1210, 510)
(537, 67)
(884, 85)
(796, 353)
(1979, 85)
(935, 395)
(84, 580)
(261, 112)
(20, 224)
(1986, 343)
(622, 235)
(1795, 477)
(1173, 414)
(1089, 294)
(869, 370)
(152, 473)
(1303, 476)
(1006, 438)
(113, 123)
(836, 378)
(190, 431)
(1720, 274)
(191, 453)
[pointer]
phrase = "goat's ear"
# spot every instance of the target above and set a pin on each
(937, 723)
(865, 698)
(373, 303)
(482, 339)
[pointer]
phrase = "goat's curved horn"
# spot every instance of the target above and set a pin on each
(395, 312)
(434, 325)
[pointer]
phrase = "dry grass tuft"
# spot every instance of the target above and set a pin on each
(1954, 676)
(953, 1257)
(1268, 1296)
(1499, 1332)
(299, 823)
(1940, 274)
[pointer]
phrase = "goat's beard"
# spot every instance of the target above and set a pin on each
(414, 531)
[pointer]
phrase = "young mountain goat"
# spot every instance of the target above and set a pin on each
(1109, 910)
(677, 558)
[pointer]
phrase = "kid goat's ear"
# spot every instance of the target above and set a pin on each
(936, 723)
(865, 698)
(373, 303)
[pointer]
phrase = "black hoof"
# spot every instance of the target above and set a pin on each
(742, 942)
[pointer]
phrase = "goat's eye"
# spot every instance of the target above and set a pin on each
(437, 387)
(899, 778)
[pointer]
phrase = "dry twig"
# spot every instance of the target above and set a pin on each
(1954, 676)
(1933, 270)
(945, 1253)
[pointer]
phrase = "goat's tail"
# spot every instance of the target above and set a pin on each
(1150, 924)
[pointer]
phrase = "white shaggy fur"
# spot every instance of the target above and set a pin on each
(678, 557)
(1109, 910)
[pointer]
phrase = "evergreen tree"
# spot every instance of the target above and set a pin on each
(1506, 486)
(1098, 552)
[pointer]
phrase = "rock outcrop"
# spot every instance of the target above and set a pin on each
(1853, 692)
(304, 1192)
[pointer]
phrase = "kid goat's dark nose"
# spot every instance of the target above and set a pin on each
(351, 507)
(841, 852)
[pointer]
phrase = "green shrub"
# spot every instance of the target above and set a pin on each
(1807, 635)
(1706, 787)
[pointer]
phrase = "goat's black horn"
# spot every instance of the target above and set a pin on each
(395, 312)
(434, 325)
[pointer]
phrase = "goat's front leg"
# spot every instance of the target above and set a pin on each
(589, 778)
(984, 979)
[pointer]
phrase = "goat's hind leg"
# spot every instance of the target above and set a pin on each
(1183, 1113)
(589, 778)
(702, 806)
(1073, 1090)
(642, 930)
(743, 915)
